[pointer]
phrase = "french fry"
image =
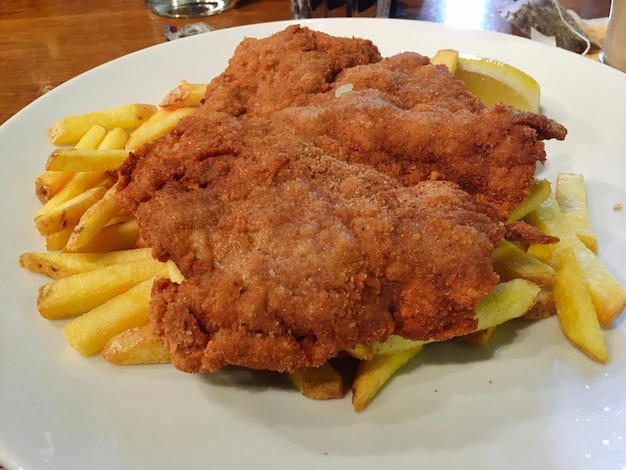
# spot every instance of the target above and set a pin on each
(511, 262)
(69, 213)
(73, 159)
(184, 95)
(116, 138)
(372, 375)
(447, 57)
(157, 126)
(539, 192)
(89, 332)
(135, 346)
(575, 307)
(120, 236)
(93, 220)
(509, 300)
(572, 199)
(69, 130)
(92, 138)
(609, 298)
(318, 383)
(76, 185)
(56, 241)
(58, 265)
(72, 295)
(49, 183)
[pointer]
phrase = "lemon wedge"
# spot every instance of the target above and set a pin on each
(493, 82)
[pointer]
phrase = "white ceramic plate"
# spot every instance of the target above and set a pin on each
(528, 400)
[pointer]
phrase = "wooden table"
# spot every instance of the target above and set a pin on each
(46, 42)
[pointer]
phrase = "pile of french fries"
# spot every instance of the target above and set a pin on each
(102, 277)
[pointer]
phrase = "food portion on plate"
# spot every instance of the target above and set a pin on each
(314, 201)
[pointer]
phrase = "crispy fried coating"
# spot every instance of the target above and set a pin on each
(322, 197)
(291, 255)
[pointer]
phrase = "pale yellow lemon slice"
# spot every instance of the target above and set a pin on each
(493, 82)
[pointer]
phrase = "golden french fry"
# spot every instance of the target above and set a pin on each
(511, 262)
(572, 199)
(92, 138)
(158, 125)
(318, 383)
(49, 183)
(75, 160)
(58, 265)
(447, 57)
(88, 333)
(76, 185)
(116, 138)
(372, 375)
(120, 236)
(58, 240)
(509, 300)
(184, 95)
(72, 295)
(68, 214)
(135, 346)
(69, 130)
(93, 220)
(539, 192)
(575, 307)
(609, 298)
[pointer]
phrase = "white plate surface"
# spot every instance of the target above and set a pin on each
(528, 400)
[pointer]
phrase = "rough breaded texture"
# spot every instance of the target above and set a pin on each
(292, 256)
(406, 117)
(283, 70)
(307, 219)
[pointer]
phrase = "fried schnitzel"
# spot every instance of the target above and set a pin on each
(308, 217)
